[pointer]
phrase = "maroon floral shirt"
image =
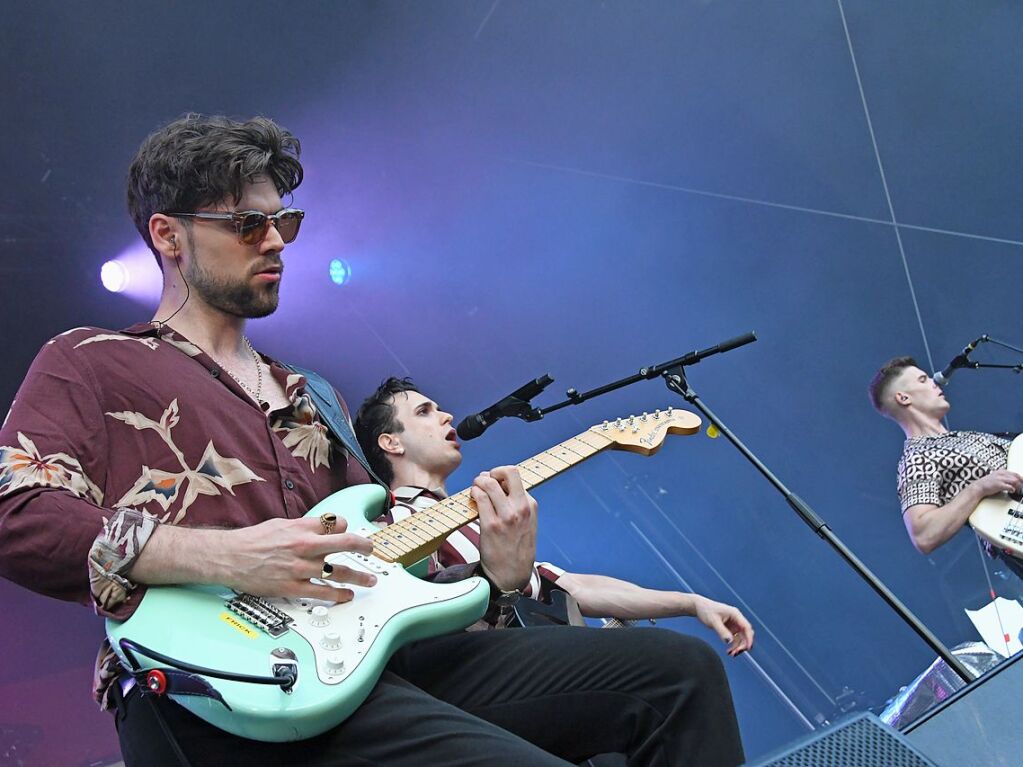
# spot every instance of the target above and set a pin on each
(112, 433)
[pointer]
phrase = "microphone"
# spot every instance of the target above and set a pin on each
(515, 404)
(961, 360)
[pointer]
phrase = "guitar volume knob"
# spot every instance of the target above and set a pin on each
(331, 641)
(319, 616)
(334, 664)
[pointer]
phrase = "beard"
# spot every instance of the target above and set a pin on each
(237, 297)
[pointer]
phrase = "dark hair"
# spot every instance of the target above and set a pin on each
(376, 417)
(882, 381)
(200, 160)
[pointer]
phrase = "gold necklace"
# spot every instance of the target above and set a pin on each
(258, 393)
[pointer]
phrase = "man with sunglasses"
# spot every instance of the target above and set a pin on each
(171, 452)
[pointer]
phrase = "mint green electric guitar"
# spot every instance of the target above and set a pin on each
(289, 669)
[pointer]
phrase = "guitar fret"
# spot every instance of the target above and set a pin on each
(590, 437)
(397, 549)
(465, 516)
(542, 471)
(550, 463)
(567, 453)
(435, 521)
(412, 532)
(581, 448)
(455, 515)
(530, 481)
(379, 543)
(393, 535)
(553, 462)
(462, 509)
(443, 531)
(401, 531)
(445, 520)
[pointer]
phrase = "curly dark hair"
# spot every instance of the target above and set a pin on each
(200, 160)
(883, 378)
(376, 417)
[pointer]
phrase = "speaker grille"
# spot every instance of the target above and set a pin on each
(862, 742)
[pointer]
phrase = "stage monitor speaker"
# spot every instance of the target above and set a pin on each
(862, 741)
(980, 725)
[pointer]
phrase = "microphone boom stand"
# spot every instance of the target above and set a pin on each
(673, 373)
(675, 379)
(1014, 368)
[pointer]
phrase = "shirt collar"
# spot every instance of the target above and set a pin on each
(409, 493)
(294, 384)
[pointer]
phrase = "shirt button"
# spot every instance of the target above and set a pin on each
(289, 484)
(215, 372)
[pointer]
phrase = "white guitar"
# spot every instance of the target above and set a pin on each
(998, 519)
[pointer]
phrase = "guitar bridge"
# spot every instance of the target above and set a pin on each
(260, 613)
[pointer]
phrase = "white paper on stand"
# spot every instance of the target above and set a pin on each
(999, 624)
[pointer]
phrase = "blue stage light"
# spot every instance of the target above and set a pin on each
(340, 272)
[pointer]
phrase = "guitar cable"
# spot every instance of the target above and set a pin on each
(285, 679)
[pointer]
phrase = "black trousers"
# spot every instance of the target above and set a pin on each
(516, 697)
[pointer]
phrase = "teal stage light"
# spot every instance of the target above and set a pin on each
(340, 272)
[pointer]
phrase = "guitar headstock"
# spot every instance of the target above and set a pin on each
(645, 433)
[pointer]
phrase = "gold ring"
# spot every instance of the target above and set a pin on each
(327, 570)
(329, 522)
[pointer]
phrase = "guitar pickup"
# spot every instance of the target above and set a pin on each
(359, 562)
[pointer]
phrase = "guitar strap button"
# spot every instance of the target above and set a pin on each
(156, 681)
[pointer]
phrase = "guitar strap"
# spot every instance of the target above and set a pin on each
(333, 416)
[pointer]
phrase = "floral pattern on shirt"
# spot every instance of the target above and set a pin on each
(302, 432)
(181, 344)
(211, 474)
(23, 466)
(148, 342)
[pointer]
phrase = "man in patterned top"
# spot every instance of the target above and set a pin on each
(411, 444)
(942, 474)
(171, 452)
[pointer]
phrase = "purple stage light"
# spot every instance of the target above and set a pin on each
(114, 276)
(133, 273)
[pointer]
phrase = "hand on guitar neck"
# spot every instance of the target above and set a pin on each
(507, 518)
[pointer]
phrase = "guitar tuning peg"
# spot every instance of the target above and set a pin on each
(603, 426)
(657, 414)
(643, 417)
(618, 424)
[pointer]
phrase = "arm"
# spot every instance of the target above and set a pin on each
(56, 530)
(600, 595)
(929, 526)
(274, 558)
(52, 475)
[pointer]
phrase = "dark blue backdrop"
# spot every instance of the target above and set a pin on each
(580, 188)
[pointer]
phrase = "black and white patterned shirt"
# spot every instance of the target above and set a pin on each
(934, 470)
